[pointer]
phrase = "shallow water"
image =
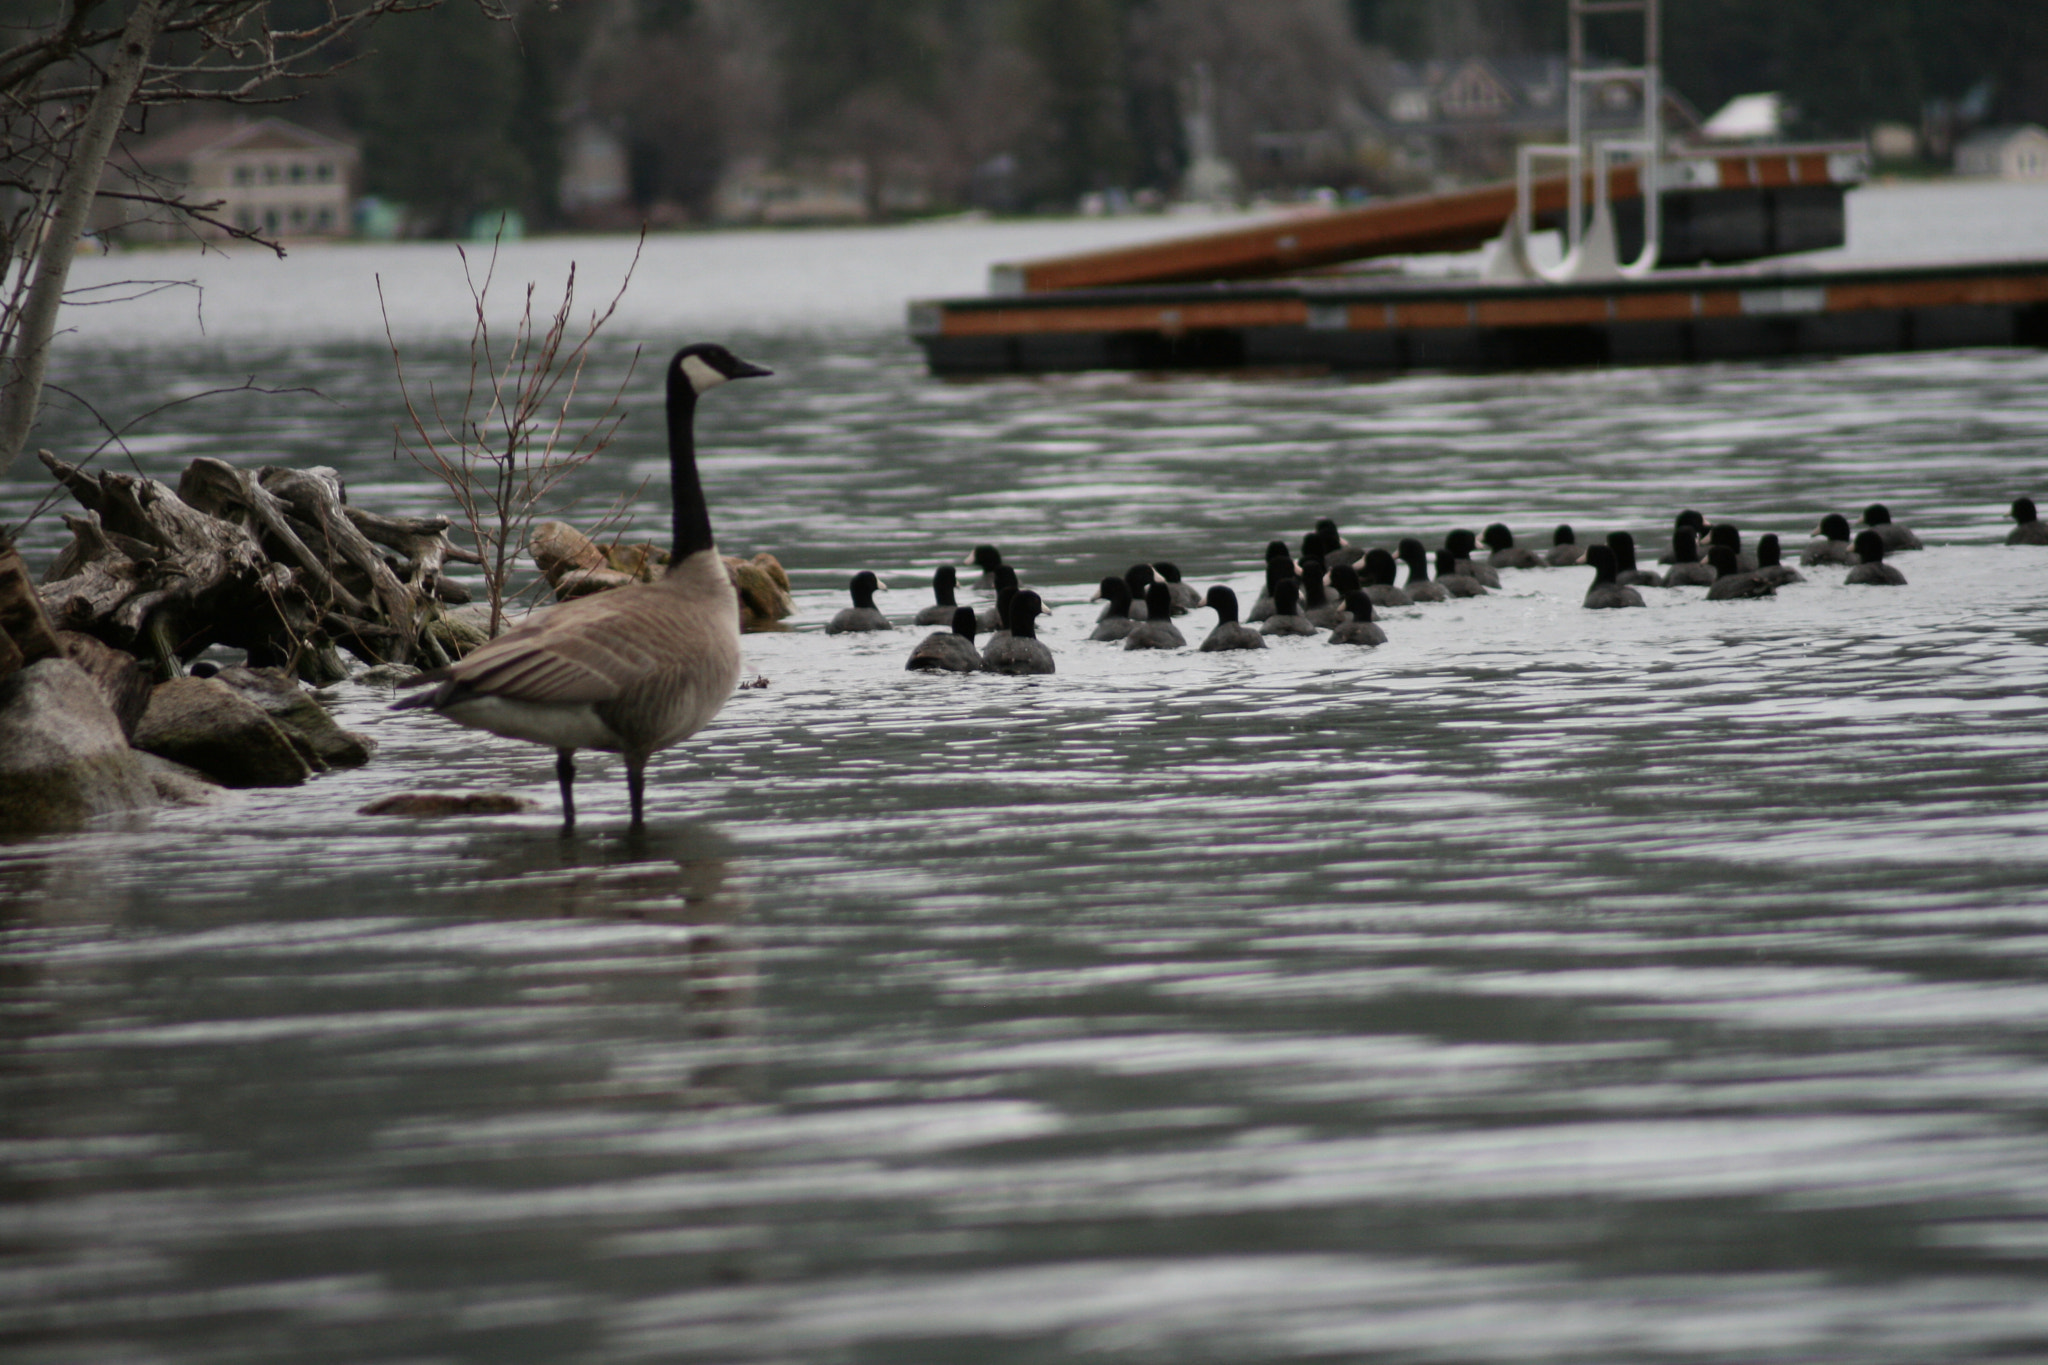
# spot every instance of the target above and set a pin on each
(1542, 985)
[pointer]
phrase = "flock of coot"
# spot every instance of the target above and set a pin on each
(1332, 586)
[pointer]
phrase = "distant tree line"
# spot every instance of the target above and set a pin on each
(1019, 104)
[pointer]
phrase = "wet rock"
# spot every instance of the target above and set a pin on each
(178, 785)
(449, 803)
(300, 716)
(584, 582)
(63, 757)
(205, 724)
(763, 586)
(122, 678)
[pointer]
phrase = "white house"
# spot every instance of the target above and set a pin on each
(267, 175)
(2017, 153)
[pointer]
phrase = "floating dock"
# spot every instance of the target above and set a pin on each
(1395, 323)
(1270, 296)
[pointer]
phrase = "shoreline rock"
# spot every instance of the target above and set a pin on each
(320, 739)
(64, 759)
(203, 723)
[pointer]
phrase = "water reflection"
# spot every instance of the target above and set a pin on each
(203, 1105)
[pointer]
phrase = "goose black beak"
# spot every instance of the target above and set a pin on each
(747, 369)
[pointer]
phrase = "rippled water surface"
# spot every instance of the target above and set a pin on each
(1662, 985)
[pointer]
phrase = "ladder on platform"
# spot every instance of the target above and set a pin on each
(1590, 249)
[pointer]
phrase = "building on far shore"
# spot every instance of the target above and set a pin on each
(2018, 153)
(268, 176)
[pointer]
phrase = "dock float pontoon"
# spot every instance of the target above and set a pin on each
(1395, 323)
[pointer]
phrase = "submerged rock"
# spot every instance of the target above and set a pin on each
(63, 757)
(449, 803)
(386, 675)
(205, 724)
(178, 785)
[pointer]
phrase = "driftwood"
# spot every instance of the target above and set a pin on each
(575, 565)
(272, 562)
(25, 631)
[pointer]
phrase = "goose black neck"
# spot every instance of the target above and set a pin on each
(686, 492)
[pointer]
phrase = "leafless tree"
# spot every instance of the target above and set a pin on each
(504, 440)
(69, 85)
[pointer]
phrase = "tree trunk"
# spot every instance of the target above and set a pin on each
(78, 181)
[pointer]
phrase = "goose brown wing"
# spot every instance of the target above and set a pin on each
(576, 655)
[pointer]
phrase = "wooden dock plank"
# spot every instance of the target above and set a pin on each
(1459, 220)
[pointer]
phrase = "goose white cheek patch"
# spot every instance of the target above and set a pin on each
(701, 375)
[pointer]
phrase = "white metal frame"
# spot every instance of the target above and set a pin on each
(1589, 242)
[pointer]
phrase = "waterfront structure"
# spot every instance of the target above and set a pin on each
(2017, 153)
(268, 176)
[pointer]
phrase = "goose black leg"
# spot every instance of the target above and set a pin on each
(636, 784)
(565, 773)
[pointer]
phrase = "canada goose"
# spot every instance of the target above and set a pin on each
(1359, 630)
(1626, 572)
(949, 651)
(1115, 622)
(1687, 568)
(1731, 580)
(1287, 618)
(1605, 592)
(1463, 545)
(1157, 630)
(988, 559)
(1419, 588)
(945, 579)
(1896, 537)
(862, 615)
(1185, 598)
(1565, 549)
(628, 671)
(1018, 649)
(1380, 567)
(1770, 565)
(1452, 579)
(1831, 543)
(1230, 633)
(1508, 555)
(2028, 528)
(1873, 569)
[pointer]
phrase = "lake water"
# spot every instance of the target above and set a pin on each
(1544, 985)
